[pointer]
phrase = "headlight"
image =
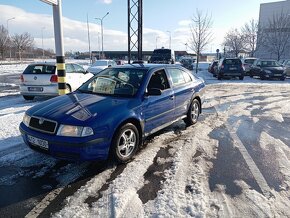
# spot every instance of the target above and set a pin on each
(268, 71)
(26, 120)
(74, 131)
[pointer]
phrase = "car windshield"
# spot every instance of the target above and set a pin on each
(100, 63)
(269, 64)
(115, 82)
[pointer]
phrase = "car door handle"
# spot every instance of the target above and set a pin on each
(171, 97)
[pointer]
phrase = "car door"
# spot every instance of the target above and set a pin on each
(158, 110)
(183, 90)
(72, 78)
(82, 74)
(256, 68)
(287, 68)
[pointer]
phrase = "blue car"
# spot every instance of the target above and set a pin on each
(113, 112)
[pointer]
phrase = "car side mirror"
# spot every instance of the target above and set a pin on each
(154, 91)
(110, 65)
(258, 65)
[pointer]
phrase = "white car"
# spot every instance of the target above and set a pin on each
(40, 79)
(100, 65)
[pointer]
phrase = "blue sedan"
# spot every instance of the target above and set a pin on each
(113, 112)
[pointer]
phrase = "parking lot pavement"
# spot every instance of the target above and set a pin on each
(233, 163)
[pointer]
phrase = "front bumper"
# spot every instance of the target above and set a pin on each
(69, 148)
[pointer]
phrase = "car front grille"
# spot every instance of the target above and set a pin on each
(43, 125)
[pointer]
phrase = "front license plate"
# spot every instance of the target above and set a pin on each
(277, 74)
(233, 68)
(35, 89)
(38, 142)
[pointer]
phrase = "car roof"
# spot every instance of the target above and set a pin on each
(146, 66)
(267, 60)
(49, 63)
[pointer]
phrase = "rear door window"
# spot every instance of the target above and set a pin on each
(40, 69)
(78, 68)
(69, 68)
(177, 76)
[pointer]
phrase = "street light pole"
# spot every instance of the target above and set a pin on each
(156, 40)
(169, 39)
(8, 36)
(89, 40)
(42, 42)
(102, 31)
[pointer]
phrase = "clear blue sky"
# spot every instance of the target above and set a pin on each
(160, 16)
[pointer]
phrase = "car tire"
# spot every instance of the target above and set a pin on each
(241, 78)
(282, 78)
(251, 76)
(219, 77)
(29, 98)
(193, 113)
(125, 143)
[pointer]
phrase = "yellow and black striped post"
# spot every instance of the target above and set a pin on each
(61, 79)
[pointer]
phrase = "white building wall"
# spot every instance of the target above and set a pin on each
(267, 10)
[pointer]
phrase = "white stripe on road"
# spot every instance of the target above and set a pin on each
(249, 161)
(37, 210)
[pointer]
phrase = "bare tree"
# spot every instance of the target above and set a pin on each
(234, 40)
(250, 33)
(201, 34)
(4, 38)
(22, 42)
(276, 34)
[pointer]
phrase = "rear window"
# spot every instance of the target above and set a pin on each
(232, 61)
(40, 69)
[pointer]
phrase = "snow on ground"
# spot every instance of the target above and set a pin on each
(184, 191)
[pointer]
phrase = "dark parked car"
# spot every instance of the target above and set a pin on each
(113, 112)
(187, 63)
(212, 66)
(230, 67)
(267, 69)
(162, 56)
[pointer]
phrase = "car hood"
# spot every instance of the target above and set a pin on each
(97, 67)
(76, 108)
(273, 68)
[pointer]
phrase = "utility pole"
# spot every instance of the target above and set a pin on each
(42, 42)
(9, 36)
(89, 40)
(102, 32)
(59, 50)
(169, 39)
(135, 19)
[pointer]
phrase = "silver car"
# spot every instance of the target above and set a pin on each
(100, 65)
(247, 62)
(40, 79)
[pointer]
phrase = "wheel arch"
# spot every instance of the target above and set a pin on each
(199, 101)
(136, 123)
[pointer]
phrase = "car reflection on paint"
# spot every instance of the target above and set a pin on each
(113, 112)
